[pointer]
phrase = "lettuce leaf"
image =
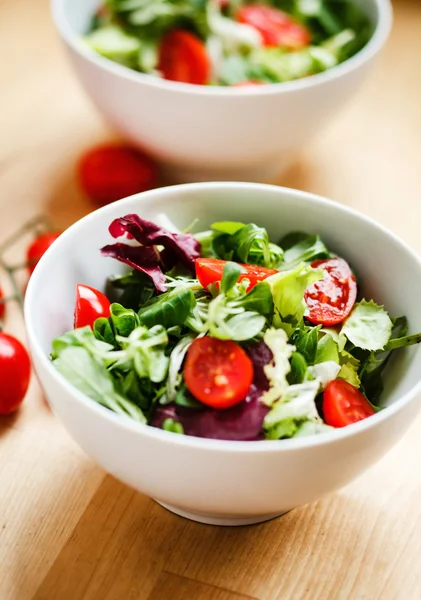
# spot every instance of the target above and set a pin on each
(368, 326)
(288, 288)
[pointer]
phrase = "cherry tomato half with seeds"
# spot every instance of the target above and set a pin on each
(218, 372)
(39, 247)
(210, 270)
(276, 27)
(331, 299)
(111, 172)
(91, 304)
(344, 404)
(15, 373)
(183, 57)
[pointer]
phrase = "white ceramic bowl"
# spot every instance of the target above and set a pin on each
(211, 481)
(215, 133)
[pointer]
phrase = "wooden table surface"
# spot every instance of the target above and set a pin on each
(68, 530)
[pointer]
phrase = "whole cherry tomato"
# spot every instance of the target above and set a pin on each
(111, 172)
(38, 248)
(15, 373)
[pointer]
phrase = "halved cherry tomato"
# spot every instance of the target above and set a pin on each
(38, 248)
(2, 304)
(210, 270)
(15, 373)
(218, 373)
(276, 27)
(331, 299)
(183, 57)
(90, 306)
(111, 172)
(343, 404)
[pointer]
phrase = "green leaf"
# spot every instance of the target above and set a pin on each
(104, 332)
(259, 299)
(327, 350)
(168, 309)
(173, 426)
(114, 43)
(298, 369)
(285, 429)
(144, 350)
(349, 373)
(368, 327)
(288, 288)
(298, 403)
(184, 398)
(91, 377)
(305, 340)
(305, 250)
(277, 371)
(232, 272)
(123, 320)
(82, 337)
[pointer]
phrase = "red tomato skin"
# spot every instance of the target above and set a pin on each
(38, 248)
(91, 304)
(218, 372)
(183, 58)
(2, 305)
(110, 172)
(276, 27)
(15, 373)
(331, 299)
(210, 270)
(344, 404)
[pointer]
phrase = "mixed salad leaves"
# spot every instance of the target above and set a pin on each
(229, 42)
(227, 335)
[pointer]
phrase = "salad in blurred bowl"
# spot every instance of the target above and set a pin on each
(229, 42)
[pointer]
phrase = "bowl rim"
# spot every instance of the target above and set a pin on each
(373, 46)
(152, 433)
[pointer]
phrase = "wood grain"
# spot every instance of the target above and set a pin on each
(70, 532)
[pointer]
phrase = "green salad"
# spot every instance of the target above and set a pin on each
(229, 42)
(227, 335)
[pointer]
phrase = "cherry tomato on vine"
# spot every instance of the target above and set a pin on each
(276, 27)
(91, 304)
(218, 372)
(183, 57)
(38, 248)
(344, 404)
(15, 373)
(111, 172)
(210, 270)
(331, 299)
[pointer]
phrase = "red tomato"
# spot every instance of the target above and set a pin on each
(276, 27)
(38, 248)
(15, 373)
(331, 299)
(183, 57)
(218, 373)
(343, 404)
(90, 306)
(2, 304)
(111, 172)
(210, 270)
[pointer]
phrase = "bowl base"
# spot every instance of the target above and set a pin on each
(220, 521)
(268, 171)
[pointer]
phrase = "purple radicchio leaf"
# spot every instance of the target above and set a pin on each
(142, 259)
(260, 355)
(242, 423)
(178, 247)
